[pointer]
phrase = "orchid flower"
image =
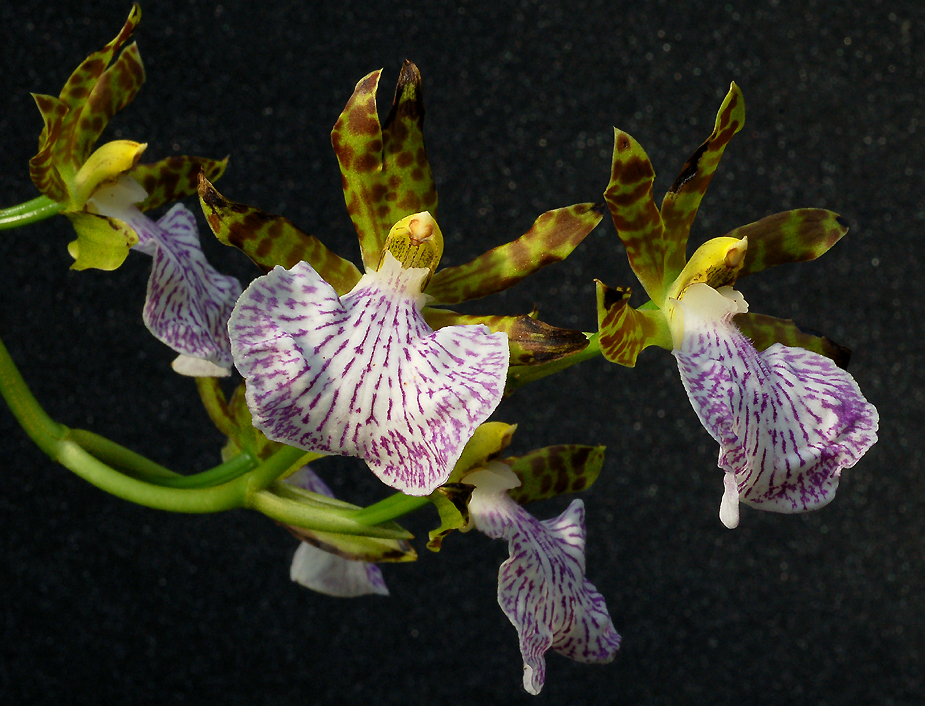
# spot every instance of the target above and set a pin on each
(363, 374)
(787, 418)
(542, 586)
(188, 302)
(321, 566)
(67, 173)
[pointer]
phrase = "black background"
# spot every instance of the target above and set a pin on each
(105, 602)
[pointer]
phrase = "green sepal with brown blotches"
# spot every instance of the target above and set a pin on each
(765, 331)
(790, 236)
(354, 547)
(554, 470)
(530, 341)
(680, 205)
(452, 503)
(271, 240)
(102, 242)
(70, 146)
(553, 236)
(635, 215)
(624, 332)
(114, 90)
(385, 172)
(174, 178)
(42, 169)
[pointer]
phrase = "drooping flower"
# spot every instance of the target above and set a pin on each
(322, 567)
(188, 302)
(787, 418)
(363, 374)
(69, 172)
(542, 586)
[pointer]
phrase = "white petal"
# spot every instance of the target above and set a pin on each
(328, 573)
(363, 375)
(542, 586)
(198, 368)
(787, 420)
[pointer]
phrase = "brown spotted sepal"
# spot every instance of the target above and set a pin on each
(174, 178)
(791, 236)
(271, 240)
(764, 331)
(656, 241)
(555, 470)
(386, 175)
(623, 332)
(553, 236)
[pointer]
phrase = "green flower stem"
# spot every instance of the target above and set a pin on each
(520, 375)
(38, 209)
(388, 509)
(137, 466)
(213, 399)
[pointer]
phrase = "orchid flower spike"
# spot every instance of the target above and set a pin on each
(787, 420)
(363, 374)
(317, 566)
(542, 586)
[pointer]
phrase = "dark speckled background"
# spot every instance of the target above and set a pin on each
(108, 603)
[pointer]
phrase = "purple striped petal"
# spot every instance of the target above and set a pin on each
(188, 301)
(542, 586)
(364, 375)
(328, 573)
(787, 420)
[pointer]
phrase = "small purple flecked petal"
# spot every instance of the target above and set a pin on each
(542, 586)
(328, 573)
(188, 301)
(787, 420)
(364, 375)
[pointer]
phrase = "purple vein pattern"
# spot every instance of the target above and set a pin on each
(787, 420)
(188, 301)
(323, 571)
(364, 375)
(542, 586)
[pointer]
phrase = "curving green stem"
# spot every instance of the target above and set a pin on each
(390, 508)
(38, 209)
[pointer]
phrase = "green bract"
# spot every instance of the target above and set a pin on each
(656, 243)
(67, 171)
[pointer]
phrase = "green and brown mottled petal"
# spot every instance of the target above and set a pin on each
(174, 178)
(791, 236)
(555, 470)
(489, 440)
(764, 331)
(114, 90)
(679, 207)
(271, 240)
(354, 547)
(102, 242)
(552, 238)
(384, 168)
(42, 169)
(81, 82)
(77, 92)
(452, 503)
(624, 332)
(531, 341)
(635, 215)
(244, 436)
